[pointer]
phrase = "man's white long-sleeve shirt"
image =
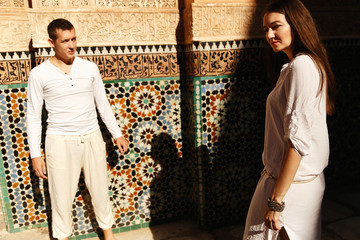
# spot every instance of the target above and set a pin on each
(70, 101)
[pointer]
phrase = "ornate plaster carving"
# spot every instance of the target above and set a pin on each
(5, 3)
(14, 32)
(242, 20)
(104, 3)
(225, 21)
(13, 4)
(143, 22)
(137, 3)
(111, 28)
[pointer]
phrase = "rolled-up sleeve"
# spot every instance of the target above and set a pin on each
(301, 91)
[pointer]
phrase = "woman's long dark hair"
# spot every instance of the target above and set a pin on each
(307, 40)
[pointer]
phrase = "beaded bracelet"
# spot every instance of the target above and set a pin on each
(275, 206)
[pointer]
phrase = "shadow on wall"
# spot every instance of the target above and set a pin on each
(226, 167)
(232, 125)
(169, 188)
(231, 158)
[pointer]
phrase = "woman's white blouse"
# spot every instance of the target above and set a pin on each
(296, 115)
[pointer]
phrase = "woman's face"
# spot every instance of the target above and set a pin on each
(278, 33)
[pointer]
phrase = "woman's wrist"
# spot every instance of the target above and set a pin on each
(275, 206)
(277, 197)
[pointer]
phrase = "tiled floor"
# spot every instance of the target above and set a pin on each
(341, 221)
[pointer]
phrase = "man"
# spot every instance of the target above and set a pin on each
(72, 90)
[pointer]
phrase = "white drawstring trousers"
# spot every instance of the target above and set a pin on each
(66, 156)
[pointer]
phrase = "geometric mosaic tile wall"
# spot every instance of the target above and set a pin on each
(232, 119)
(140, 182)
(194, 118)
(150, 184)
(229, 90)
(232, 133)
(19, 196)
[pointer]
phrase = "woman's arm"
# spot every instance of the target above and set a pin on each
(286, 177)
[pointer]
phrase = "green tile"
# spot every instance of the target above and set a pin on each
(125, 229)
(17, 85)
(80, 237)
(145, 225)
(15, 230)
(92, 235)
(45, 224)
(135, 227)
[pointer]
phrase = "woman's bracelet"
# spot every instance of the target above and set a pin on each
(275, 206)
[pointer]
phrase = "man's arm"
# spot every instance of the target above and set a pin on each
(107, 115)
(33, 124)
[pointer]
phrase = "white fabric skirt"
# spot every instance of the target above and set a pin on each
(301, 218)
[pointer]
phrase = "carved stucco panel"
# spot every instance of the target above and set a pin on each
(80, 3)
(165, 4)
(4, 3)
(14, 32)
(137, 3)
(111, 28)
(13, 4)
(251, 21)
(50, 3)
(60, 3)
(224, 21)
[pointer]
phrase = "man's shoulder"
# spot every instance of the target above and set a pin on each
(40, 69)
(86, 62)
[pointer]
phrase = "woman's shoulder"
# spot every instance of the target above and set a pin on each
(304, 72)
(302, 62)
(302, 59)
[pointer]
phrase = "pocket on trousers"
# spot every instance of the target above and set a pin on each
(55, 152)
(99, 146)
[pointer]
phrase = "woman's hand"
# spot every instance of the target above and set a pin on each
(271, 219)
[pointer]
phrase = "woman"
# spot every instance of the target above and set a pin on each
(287, 200)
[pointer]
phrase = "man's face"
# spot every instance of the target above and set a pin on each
(65, 44)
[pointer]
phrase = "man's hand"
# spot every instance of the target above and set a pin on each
(122, 144)
(39, 167)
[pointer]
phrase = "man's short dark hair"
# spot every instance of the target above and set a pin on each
(59, 23)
